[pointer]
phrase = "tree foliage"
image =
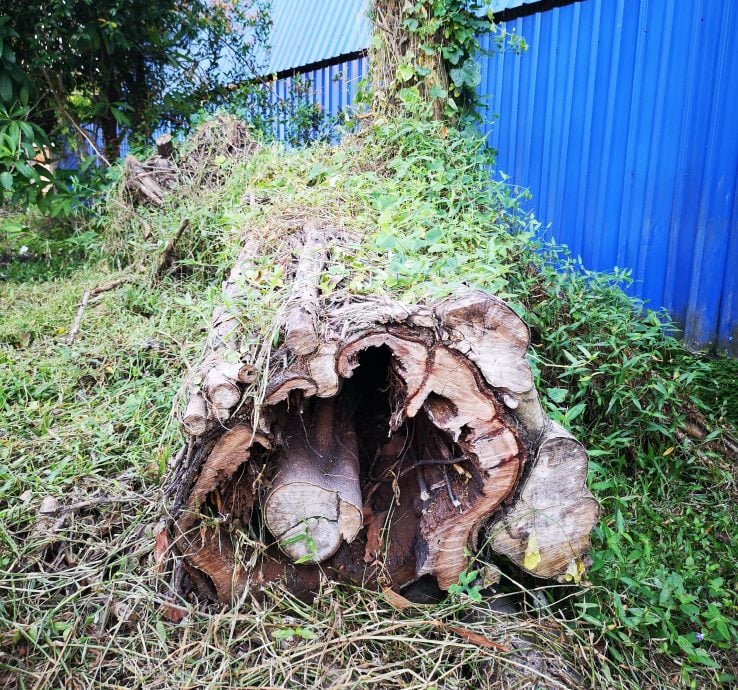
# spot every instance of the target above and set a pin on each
(120, 65)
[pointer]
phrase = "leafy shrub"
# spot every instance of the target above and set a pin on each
(664, 552)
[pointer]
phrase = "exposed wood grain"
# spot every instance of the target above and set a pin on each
(300, 328)
(551, 520)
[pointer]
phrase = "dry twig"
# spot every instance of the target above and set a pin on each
(168, 253)
(86, 296)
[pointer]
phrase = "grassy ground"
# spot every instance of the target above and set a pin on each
(83, 604)
(720, 387)
(87, 430)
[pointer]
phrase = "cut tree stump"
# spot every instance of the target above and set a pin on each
(379, 443)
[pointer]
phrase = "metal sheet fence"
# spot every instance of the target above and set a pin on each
(333, 88)
(622, 120)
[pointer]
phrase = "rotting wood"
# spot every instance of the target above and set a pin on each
(385, 451)
(213, 389)
(195, 418)
(165, 146)
(315, 498)
(541, 531)
(143, 181)
(301, 335)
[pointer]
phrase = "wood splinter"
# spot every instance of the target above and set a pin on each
(301, 335)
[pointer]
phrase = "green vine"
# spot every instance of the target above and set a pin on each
(431, 49)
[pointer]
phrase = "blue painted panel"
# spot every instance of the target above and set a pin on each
(622, 121)
(333, 87)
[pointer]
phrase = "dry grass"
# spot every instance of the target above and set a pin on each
(86, 608)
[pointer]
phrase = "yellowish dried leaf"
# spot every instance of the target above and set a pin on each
(532, 552)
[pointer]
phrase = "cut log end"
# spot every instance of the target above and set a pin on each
(221, 390)
(547, 530)
(165, 146)
(310, 522)
(195, 419)
(389, 447)
(315, 498)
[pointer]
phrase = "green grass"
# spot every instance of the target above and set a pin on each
(719, 387)
(82, 600)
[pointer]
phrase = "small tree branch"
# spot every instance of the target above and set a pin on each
(87, 295)
(84, 136)
(168, 252)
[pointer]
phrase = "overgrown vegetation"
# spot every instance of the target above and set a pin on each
(83, 597)
(433, 47)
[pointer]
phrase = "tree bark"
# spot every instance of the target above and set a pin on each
(141, 181)
(396, 45)
(301, 336)
(382, 451)
(165, 146)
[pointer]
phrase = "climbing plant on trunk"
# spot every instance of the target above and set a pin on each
(429, 51)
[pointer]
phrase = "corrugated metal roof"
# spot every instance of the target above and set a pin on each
(305, 32)
(502, 5)
(308, 31)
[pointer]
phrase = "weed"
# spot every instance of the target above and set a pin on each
(303, 537)
(466, 586)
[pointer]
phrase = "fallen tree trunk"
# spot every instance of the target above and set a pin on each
(376, 446)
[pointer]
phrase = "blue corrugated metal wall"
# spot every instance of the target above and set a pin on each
(333, 87)
(622, 120)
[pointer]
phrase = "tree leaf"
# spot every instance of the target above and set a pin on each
(6, 87)
(556, 395)
(6, 179)
(469, 74)
(405, 72)
(27, 130)
(438, 91)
